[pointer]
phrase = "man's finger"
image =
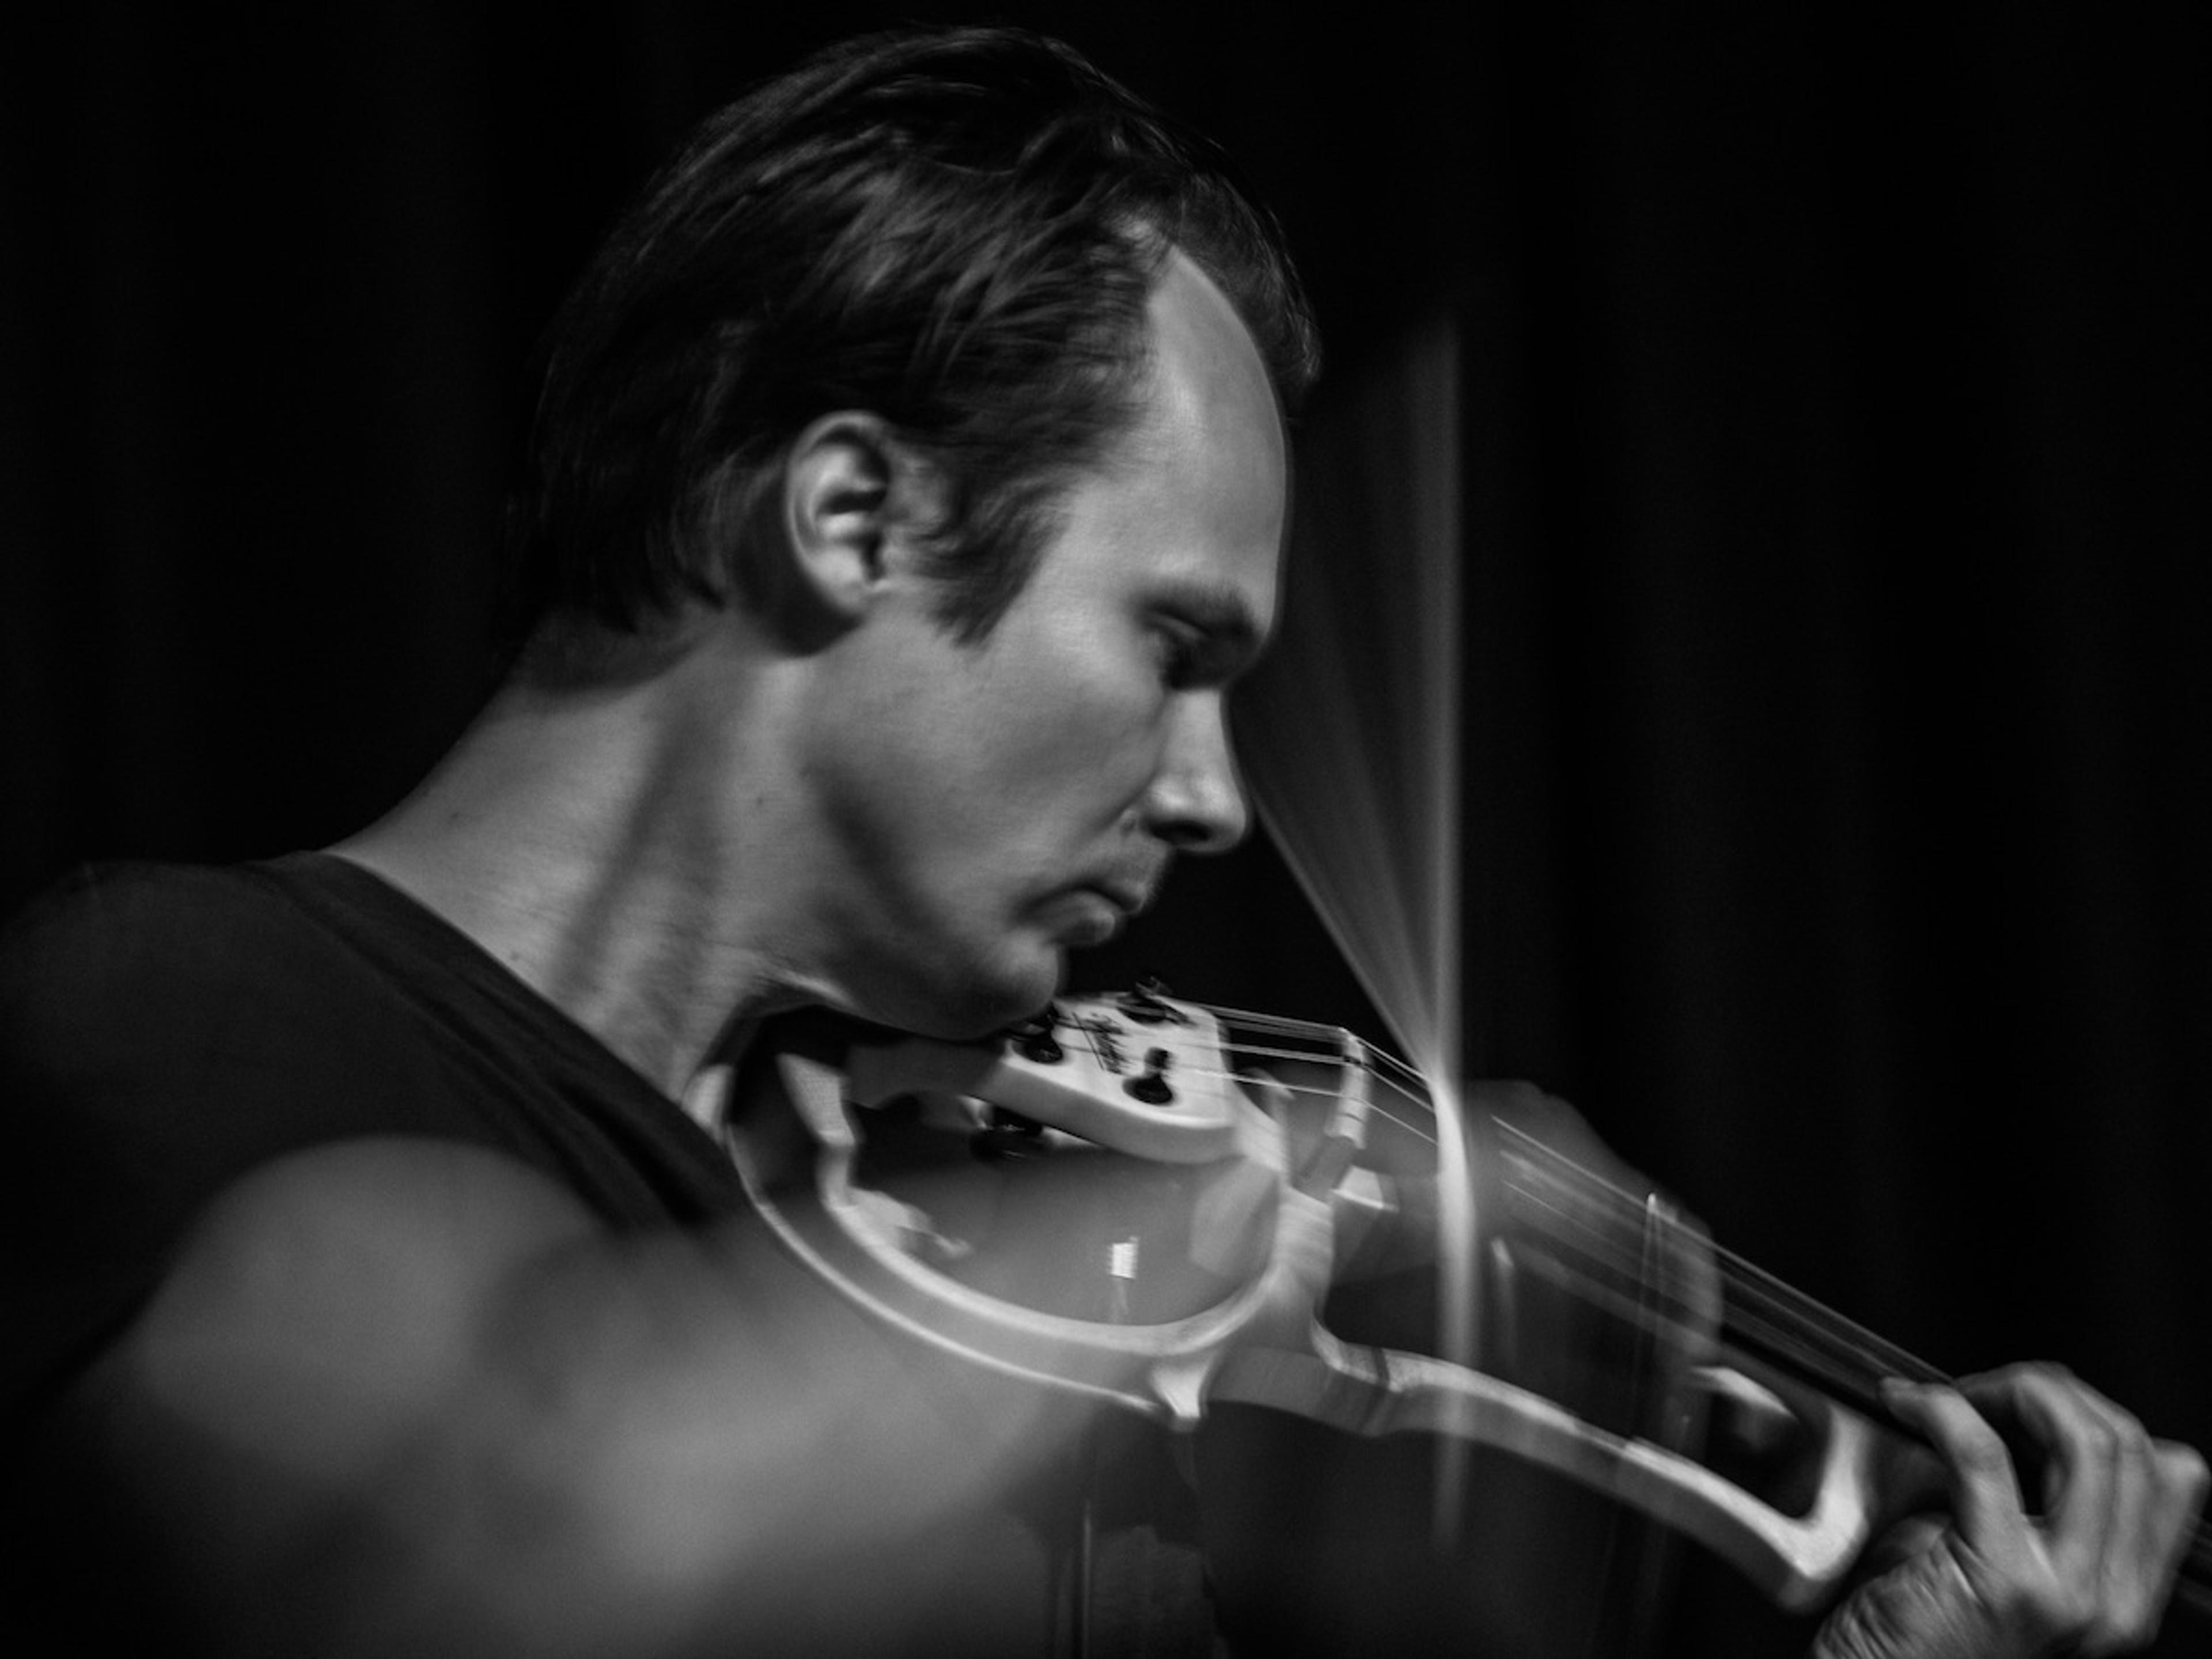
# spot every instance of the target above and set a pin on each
(1985, 1497)
(2096, 1461)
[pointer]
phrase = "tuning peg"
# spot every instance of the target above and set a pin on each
(1147, 1004)
(1033, 1038)
(1153, 1088)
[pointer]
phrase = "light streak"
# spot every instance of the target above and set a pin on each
(1352, 752)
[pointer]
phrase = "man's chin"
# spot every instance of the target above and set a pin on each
(965, 1006)
(993, 1008)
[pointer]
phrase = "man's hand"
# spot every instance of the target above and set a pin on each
(2089, 1572)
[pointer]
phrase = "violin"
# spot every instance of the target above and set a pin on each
(1163, 1205)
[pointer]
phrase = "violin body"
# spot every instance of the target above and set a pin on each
(1237, 1235)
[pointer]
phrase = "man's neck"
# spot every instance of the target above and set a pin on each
(575, 836)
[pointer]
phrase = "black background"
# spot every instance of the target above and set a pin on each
(1834, 485)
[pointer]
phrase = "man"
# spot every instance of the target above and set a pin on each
(907, 493)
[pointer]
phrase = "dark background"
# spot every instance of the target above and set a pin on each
(1834, 486)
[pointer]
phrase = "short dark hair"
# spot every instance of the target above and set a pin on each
(956, 230)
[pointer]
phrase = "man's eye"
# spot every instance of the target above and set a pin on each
(1181, 652)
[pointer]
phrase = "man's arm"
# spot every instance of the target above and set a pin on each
(406, 1396)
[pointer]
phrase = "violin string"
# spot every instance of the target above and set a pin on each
(1323, 1045)
(1803, 1333)
(1811, 1340)
(1794, 1329)
(1795, 1332)
(1623, 1203)
(1326, 1044)
(1608, 1263)
(1682, 1334)
(1771, 1316)
(1670, 1321)
(1788, 1307)
(1685, 1335)
(1313, 1090)
(1764, 1311)
(1751, 1284)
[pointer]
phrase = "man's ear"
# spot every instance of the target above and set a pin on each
(854, 500)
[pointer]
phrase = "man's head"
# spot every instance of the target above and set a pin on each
(958, 232)
(970, 811)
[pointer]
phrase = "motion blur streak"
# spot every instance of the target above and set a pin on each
(1352, 742)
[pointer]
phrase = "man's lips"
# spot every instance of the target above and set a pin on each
(1130, 898)
(1092, 912)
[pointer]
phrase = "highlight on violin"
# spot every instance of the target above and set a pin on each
(643, 1180)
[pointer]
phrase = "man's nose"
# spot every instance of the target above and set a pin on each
(1197, 801)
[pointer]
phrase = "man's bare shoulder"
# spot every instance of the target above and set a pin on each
(332, 1301)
